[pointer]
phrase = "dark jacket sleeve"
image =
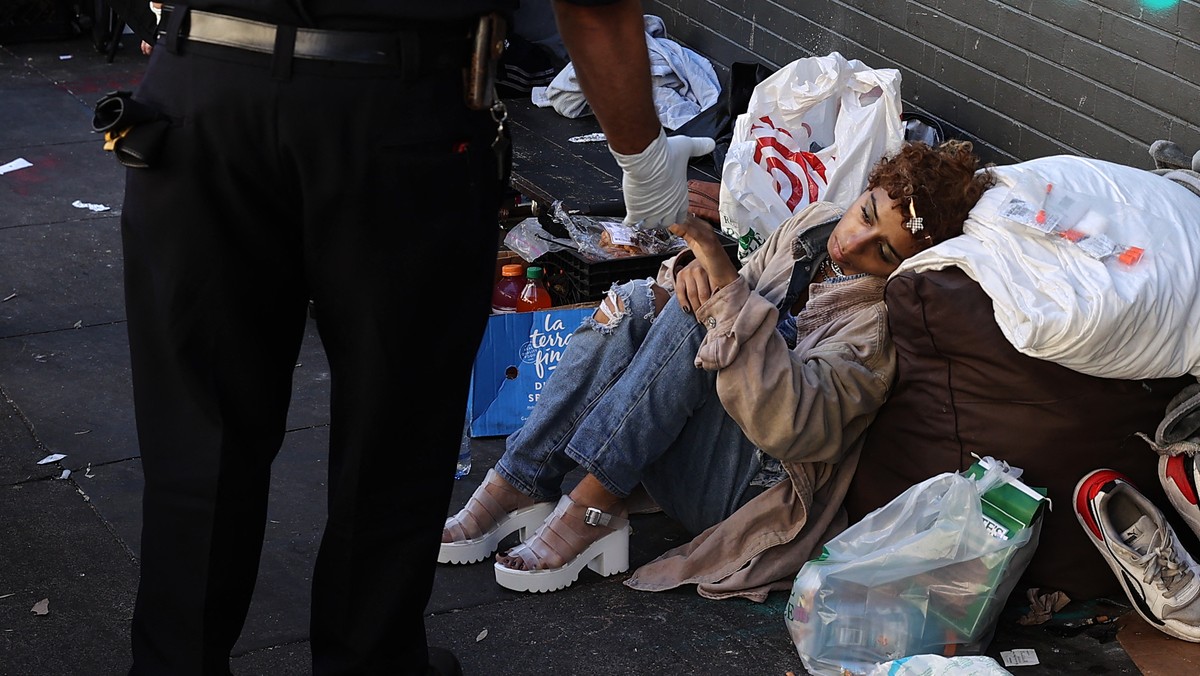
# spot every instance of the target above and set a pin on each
(137, 15)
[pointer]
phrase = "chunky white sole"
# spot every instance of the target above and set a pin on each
(607, 556)
(526, 520)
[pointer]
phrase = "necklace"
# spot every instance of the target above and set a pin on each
(833, 268)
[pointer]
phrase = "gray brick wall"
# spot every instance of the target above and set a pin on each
(1021, 78)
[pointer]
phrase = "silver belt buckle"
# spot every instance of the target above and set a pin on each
(593, 517)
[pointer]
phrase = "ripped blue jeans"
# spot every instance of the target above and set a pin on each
(627, 404)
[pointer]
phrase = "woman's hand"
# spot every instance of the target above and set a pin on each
(714, 269)
(692, 287)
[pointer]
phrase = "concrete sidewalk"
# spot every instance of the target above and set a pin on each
(74, 539)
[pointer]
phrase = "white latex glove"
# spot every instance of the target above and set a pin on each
(655, 180)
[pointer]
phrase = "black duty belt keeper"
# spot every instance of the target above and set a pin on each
(132, 130)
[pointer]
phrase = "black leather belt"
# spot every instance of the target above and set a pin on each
(384, 48)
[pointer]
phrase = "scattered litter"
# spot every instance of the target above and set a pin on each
(65, 475)
(1042, 606)
(41, 358)
(64, 57)
(589, 138)
(1019, 657)
(83, 432)
(41, 607)
(19, 163)
(1099, 619)
(53, 457)
(78, 204)
(4, 596)
(482, 635)
(88, 472)
(78, 324)
(9, 297)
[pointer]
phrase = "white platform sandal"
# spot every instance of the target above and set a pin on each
(486, 514)
(565, 531)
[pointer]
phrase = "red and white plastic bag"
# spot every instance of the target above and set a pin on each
(811, 133)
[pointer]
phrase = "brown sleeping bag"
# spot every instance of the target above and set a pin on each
(962, 388)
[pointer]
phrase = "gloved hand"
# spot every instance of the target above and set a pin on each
(655, 180)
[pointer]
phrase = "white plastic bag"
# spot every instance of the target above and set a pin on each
(928, 573)
(936, 665)
(811, 132)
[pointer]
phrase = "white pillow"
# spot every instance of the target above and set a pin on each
(1055, 301)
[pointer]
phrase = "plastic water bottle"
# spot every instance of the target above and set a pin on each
(508, 289)
(863, 634)
(463, 467)
(534, 295)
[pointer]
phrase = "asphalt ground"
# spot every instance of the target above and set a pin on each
(70, 528)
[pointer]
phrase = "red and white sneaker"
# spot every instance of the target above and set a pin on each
(1160, 578)
(1178, 476)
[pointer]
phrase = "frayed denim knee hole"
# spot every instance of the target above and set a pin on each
(615, 306)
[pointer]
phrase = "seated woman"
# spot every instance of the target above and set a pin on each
(740, 408)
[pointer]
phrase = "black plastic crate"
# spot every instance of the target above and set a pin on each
(573, 279)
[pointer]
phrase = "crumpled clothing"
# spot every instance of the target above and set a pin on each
(684, 83)
(1042, 606)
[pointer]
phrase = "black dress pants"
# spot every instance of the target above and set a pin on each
(373, 193)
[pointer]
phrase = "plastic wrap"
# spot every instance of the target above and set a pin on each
(594, 238)
(605, 238)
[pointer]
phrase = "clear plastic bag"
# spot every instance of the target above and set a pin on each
(928, 573)
(529, 239)
(602, 238)
(1077, 219)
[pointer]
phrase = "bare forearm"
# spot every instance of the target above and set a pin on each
(607, 46)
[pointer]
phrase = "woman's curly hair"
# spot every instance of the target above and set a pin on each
(940, 183)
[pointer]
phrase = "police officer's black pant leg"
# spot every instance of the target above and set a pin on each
(216, 308)
(401, 276)
(356, 192)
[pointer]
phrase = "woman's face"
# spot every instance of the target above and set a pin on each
(871, 236)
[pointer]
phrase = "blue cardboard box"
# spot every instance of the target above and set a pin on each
(518, 353)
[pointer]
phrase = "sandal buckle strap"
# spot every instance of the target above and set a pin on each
(594, 517)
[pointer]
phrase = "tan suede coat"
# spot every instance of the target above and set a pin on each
(809, 407)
